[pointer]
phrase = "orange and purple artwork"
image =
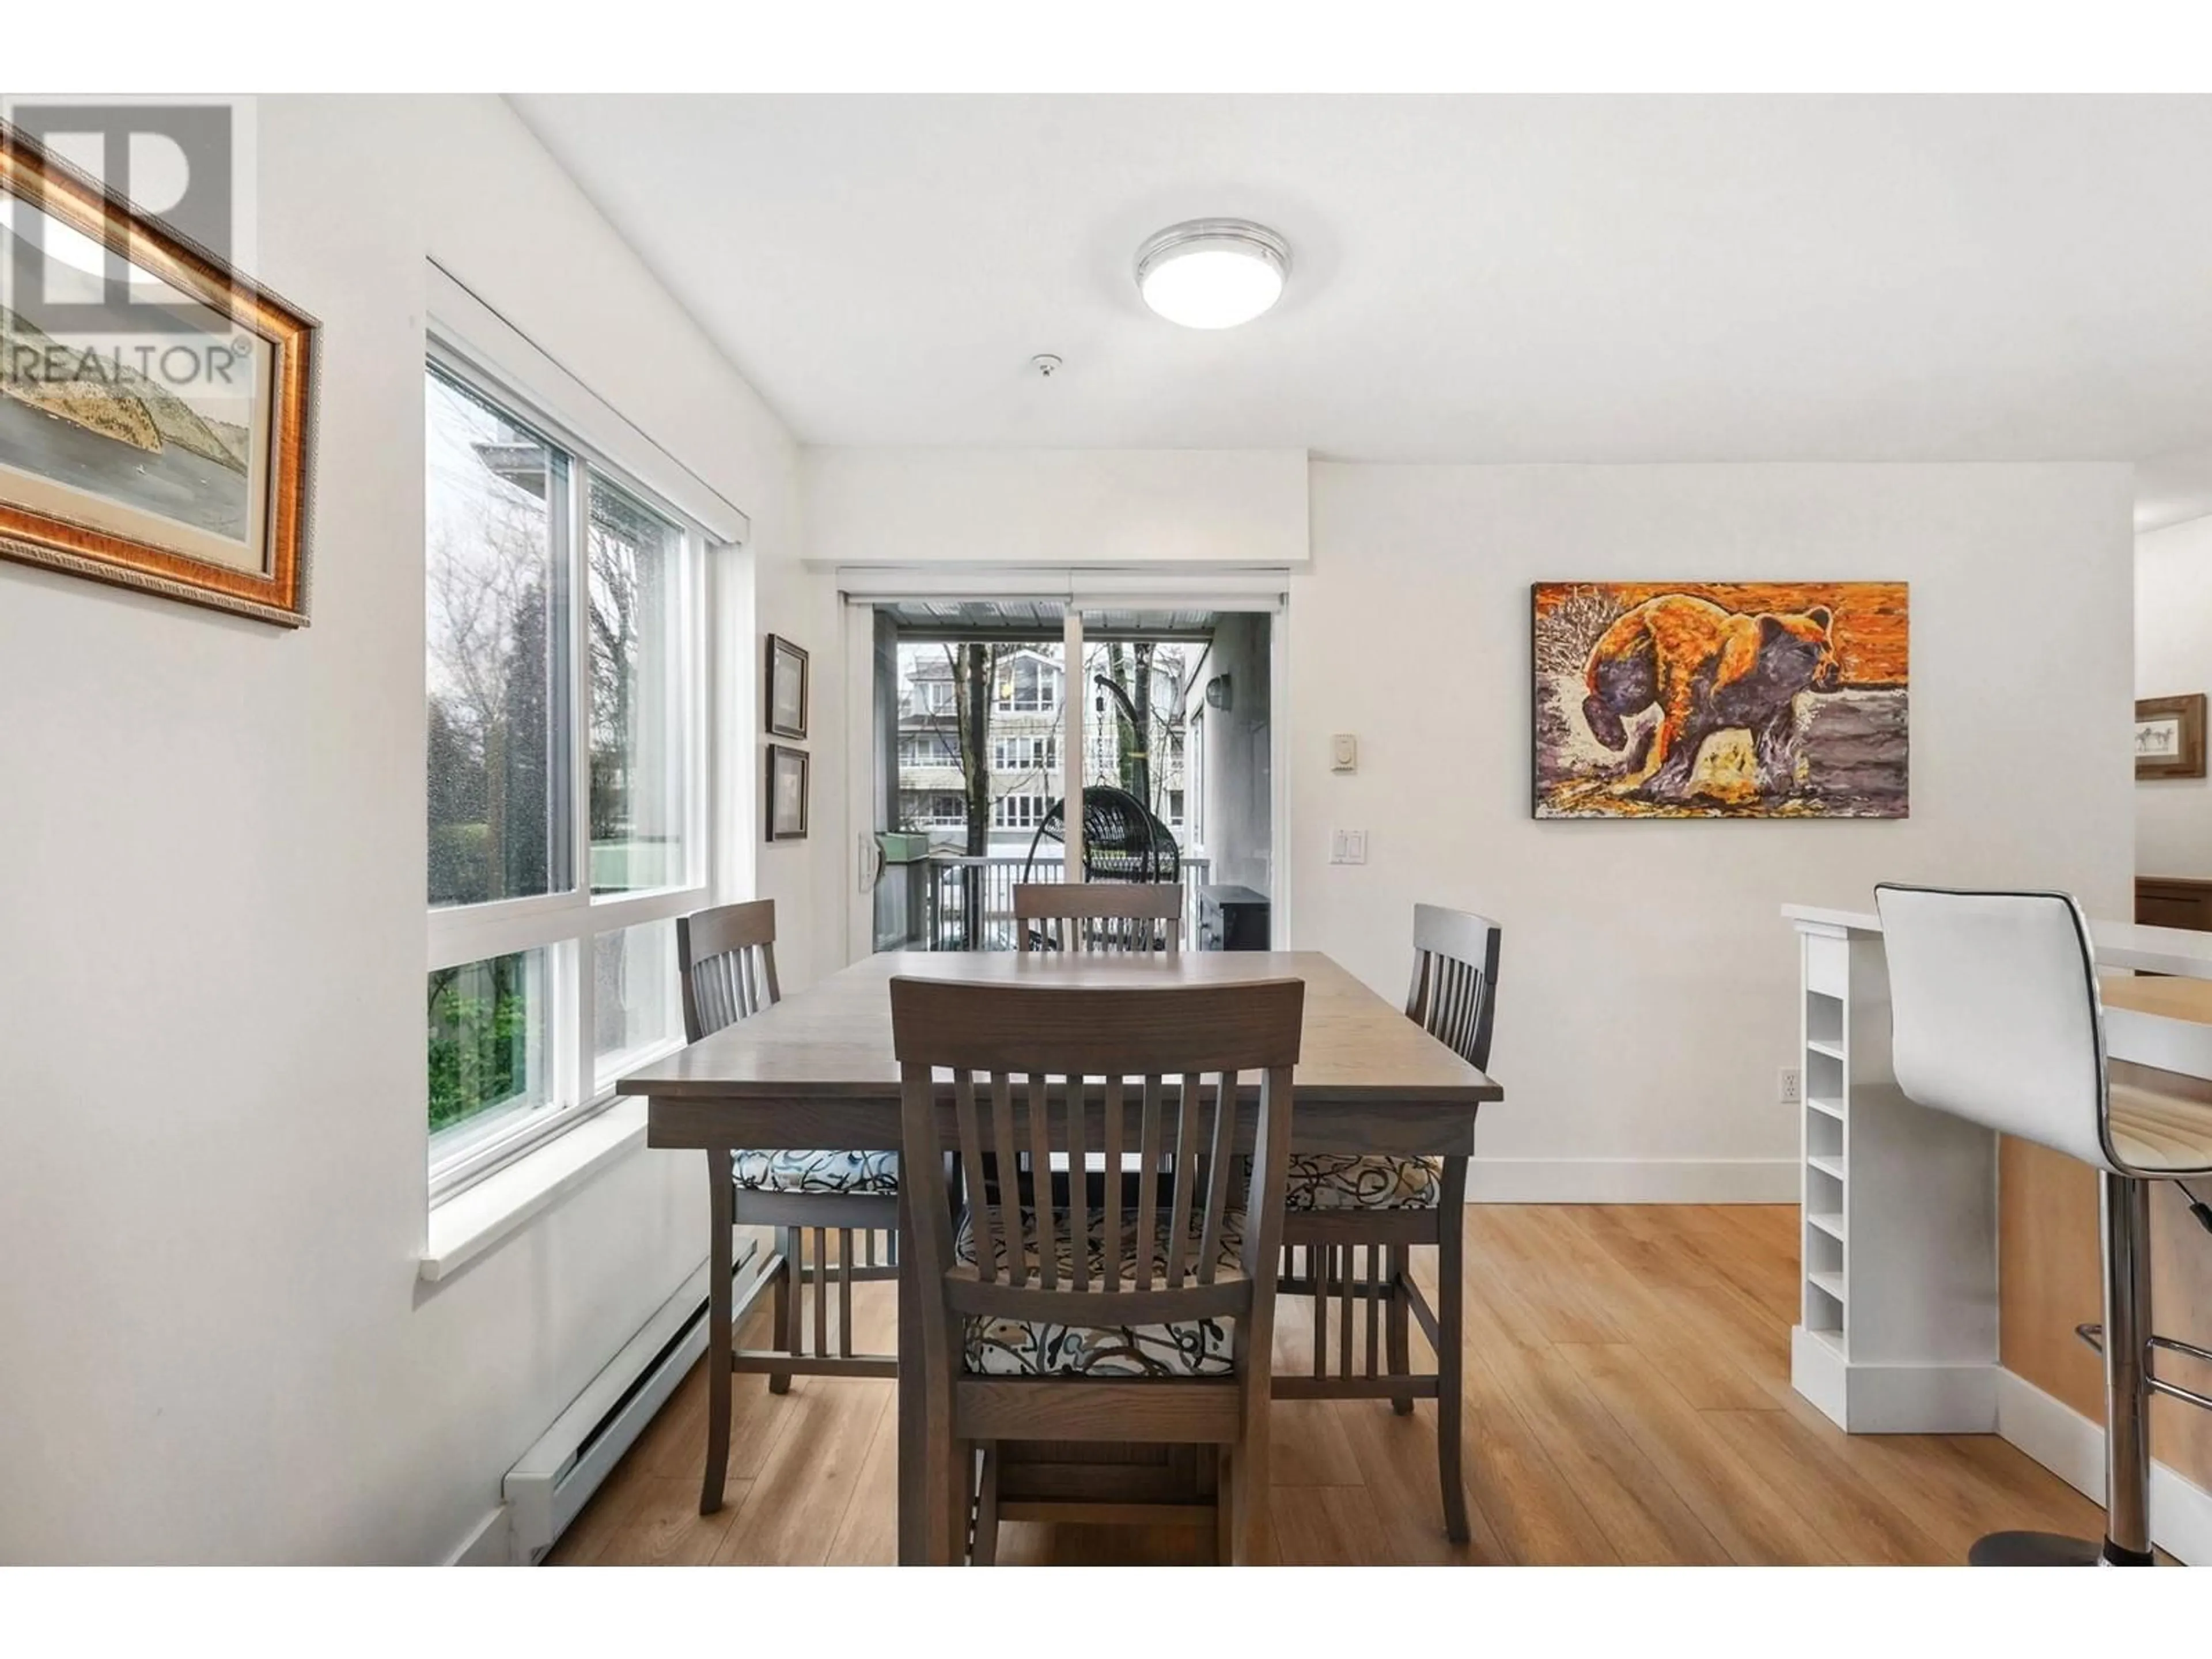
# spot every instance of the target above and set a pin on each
(1707, 700)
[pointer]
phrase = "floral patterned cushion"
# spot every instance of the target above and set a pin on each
(857, 1173)
(1329, 1180)
(1016, 1347)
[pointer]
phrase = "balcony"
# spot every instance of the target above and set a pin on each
(967, 904)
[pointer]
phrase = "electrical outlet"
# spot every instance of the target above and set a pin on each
(1792, 1085)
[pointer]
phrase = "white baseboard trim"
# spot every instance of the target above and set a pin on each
(1866, 1399)
(1632, 1181)
(2072, 1447)
(488, 1546)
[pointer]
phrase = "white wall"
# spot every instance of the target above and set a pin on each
(2173, 655)
(1055, 507)
(1647, 987)
(808, 880)
(1648, 982)
(215, 1344)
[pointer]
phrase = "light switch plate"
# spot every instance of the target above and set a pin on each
(1344, 752)
(1347, 846)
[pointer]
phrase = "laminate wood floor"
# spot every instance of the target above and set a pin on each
(1627, 1399)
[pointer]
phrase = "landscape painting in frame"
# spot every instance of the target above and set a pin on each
(1754, 700)
(153, 403)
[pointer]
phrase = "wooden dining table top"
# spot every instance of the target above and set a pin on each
(832, 1041)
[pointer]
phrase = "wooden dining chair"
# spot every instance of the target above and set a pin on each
(1126, 917)
(726, 960)
(1353, 1221)
(1091, 1306)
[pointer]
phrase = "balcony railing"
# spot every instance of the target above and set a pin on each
(971, 900)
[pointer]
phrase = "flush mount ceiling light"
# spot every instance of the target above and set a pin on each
(1213, 273)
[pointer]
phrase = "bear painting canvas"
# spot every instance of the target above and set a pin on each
(1760, 699)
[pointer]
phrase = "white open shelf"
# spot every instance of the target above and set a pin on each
(1887, 1188)
(1824, 1128)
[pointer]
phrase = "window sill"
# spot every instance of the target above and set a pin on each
(472, 1221)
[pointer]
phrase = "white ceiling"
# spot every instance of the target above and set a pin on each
(2172, 487)
(1477, 279)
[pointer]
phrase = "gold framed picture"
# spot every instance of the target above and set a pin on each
(2170, 736)
(155, 405)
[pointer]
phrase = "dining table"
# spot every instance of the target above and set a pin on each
(816, 1070)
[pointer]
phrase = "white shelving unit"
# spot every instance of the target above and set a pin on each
(1897, 1330)
(1825, 1134)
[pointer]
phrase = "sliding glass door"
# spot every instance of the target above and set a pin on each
(1048, 737)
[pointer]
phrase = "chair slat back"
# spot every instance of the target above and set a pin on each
(1123, 918)
(726, 959)
(1454, 996)
(1150, 1077)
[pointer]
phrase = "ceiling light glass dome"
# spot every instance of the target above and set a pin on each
(1213, 273)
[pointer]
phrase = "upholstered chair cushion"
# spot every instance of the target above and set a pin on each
(1015, 1347)
(1329, 1180)
(856, 1173)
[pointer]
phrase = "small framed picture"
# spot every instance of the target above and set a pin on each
(786, 689)
(2170, 736)
(786, 793)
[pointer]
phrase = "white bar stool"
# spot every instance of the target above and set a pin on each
(1995, 1018)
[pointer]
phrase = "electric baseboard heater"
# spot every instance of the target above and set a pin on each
(545, 1490)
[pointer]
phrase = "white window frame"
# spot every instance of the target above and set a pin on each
(581, 1083)
(1021, 753)
(1024, 754)
(1047, 675)
(1019, 809)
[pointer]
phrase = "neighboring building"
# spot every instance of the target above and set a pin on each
(1027, 767)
